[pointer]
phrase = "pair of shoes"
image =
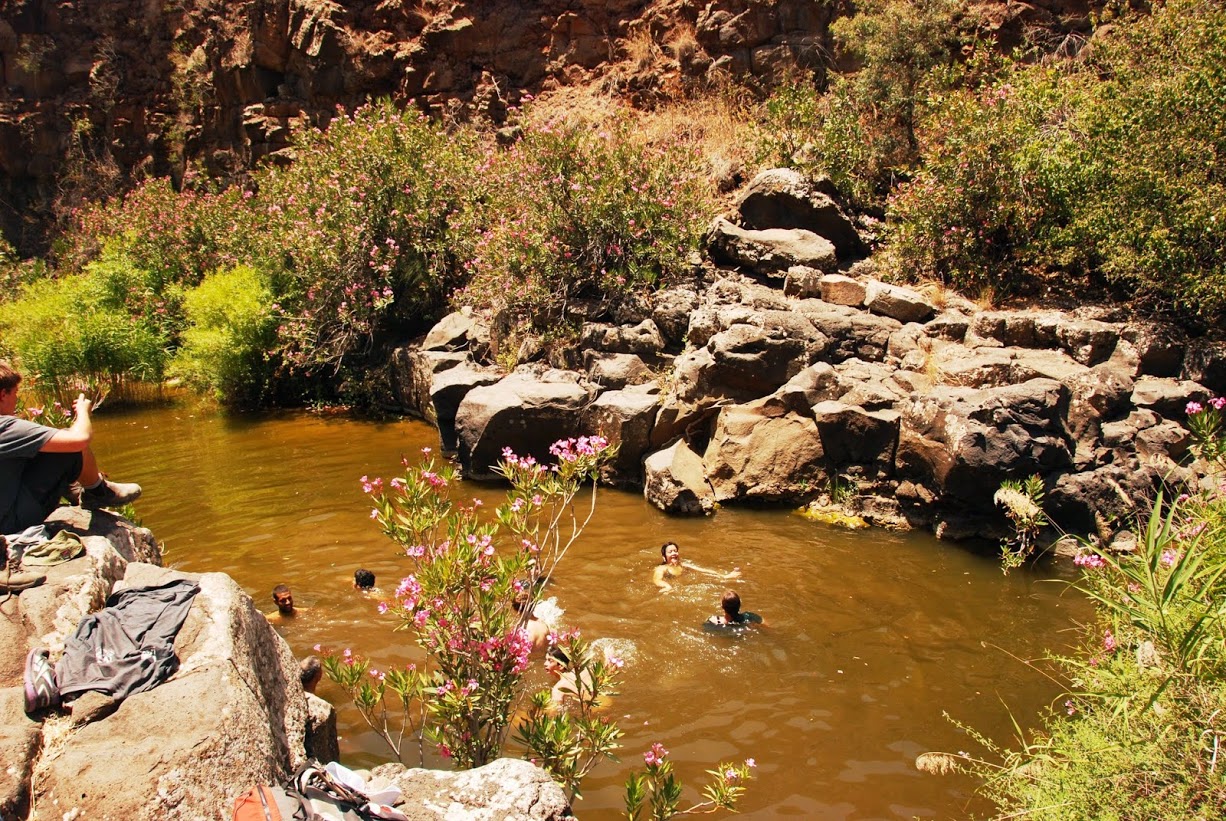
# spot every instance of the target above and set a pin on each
(40, 688)
(106, 494)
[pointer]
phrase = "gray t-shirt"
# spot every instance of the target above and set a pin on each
(19, 440)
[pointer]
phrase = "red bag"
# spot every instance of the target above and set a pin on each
(262, 803)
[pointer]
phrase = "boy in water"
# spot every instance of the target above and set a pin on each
(732, 616)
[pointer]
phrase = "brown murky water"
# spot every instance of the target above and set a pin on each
(872, 635)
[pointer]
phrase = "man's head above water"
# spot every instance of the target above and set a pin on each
(283, 597)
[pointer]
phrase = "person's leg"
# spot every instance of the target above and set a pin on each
(89, 469)
(43, 483)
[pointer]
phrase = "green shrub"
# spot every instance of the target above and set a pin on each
(579, 212)
(70, 332)
(231, 328)
(999, 180)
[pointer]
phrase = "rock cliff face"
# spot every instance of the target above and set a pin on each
(96, 95)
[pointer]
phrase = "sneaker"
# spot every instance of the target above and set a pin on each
(41, 690)
(11, 582)
(109, 494)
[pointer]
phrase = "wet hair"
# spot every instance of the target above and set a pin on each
(731, 603)
(664, 551)
(281, 588)
(522, 602)
(309, 670)
(558, 655)
(9, 378)
(363, 579)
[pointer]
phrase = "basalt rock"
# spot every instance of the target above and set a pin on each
(232, 713)
(508, 789)
(784, 198)
(525, 410)
(782, 383)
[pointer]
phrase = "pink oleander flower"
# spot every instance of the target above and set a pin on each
(1109, 643)
(374, 513)
(1193, 408)
(1069, 707)
(749, 762)
(1089, 560)
(1218, 402)
(655, 755)
(1169, 557)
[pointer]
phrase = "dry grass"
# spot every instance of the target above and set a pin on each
(683, 42)
(934, 291)
(642, 51)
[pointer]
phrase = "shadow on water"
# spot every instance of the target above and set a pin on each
(871, 635)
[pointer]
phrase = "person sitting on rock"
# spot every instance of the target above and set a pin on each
(41, 465)
(732, 617)
(671, 567)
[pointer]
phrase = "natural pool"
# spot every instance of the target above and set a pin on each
(872, 635)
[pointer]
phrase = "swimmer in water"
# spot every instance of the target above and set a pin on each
(283, 597)
(672, 567)
(732, 617)
(537, 629)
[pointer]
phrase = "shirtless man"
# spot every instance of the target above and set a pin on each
(538, 631)
(283, 598)
(671, 567)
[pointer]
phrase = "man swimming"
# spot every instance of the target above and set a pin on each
(672, 567)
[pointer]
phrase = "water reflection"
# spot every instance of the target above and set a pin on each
(871, 636)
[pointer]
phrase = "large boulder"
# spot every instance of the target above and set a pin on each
(625, 418)
(784, 198)
(525, 411)
(770, 252)
(1167, 397)
(897, 302)
(747, 361)
(851, 435)
(853, 334)
(460, 330)
(643, 339)
(412, 372)
(962, 443)
(448, 389)
(234, 714)
(508, 789)
(766, 450)
(673, 481)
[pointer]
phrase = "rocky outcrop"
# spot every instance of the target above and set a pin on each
(768, 389)
(233, 713)
(96, 95)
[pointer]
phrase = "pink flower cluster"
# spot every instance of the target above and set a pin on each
(371, 485)
(570, 450)
(655, 755)
(1109, 643)
(1217, 403)
(1089, 560)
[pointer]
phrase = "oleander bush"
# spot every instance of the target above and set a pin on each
(578, 211)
